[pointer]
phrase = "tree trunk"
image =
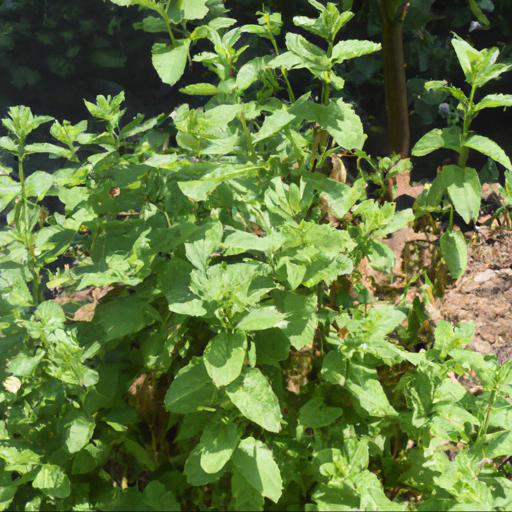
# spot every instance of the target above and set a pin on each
(397, 106)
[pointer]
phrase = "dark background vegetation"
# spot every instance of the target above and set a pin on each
(54, 52)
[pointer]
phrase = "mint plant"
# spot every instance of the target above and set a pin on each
(209, 341)
(458, 183)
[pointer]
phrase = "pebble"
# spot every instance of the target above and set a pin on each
(484, 276)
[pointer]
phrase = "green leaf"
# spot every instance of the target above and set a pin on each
(274, 124)
(468, 57)
(155, 494)
(373, 496)
(353, 48)
(202, 89)
(494, 101)
(195, 473)
(17, 455)
(448, 138)
(334, 368)
(8, 144)
(170, 62)
(272, 346)
(188, 10)
(301, 318)
(79, 433)
(50, 149)
(9, 190)
(463, 188)
(90, 458)
(448, 338)
(338, 119)
(310, 55)
(465, 193)
(123, 316)
(52, 481)
(251, 72)
(207, 240)
(252, 394)
(489, 148)
(238, 242)
(328, 24)
(489, 173)
(492, 446)
(256, 464)
(190, 389)
(174, 281)
(316, 414)
(287, 60)
(368, 391)
(148, 4)
(380, 256)
(38, 184)
(261, 319)
(245, 497)
(217, 445)
(24, 365)
(336, 497)
(455, 252)
(442, 86)
(478, 13)
(51, 315)
(224, 357)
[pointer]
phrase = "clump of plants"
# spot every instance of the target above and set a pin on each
(187, 325)
(457, 187)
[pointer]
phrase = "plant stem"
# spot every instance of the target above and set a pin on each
(450, 226)
(485, 425)
(326, 86)
(27, 235)
(163, 14)
(468, 119)
(247, 134)
(283, 69)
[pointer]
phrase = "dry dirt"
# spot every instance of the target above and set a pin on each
(484, 295)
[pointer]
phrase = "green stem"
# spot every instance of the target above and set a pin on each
(485, 425)
(288, 84)
(326, 92)
(27, 235)
(163, 14)
(283, 69)
(450, 227)
(247, 134)
(326, 87)
(468, 119)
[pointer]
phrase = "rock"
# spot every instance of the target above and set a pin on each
(484, 276)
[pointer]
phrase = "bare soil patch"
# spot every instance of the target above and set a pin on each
(484, 295)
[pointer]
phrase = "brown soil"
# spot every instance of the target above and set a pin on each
(484, 295)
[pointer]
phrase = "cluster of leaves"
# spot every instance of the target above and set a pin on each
(211, 344)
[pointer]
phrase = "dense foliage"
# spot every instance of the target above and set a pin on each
(185, 318)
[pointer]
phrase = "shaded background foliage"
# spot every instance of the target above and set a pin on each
(55, 51)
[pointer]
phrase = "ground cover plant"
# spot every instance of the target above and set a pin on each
(185, 316)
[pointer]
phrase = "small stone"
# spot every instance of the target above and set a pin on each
(484, 276)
